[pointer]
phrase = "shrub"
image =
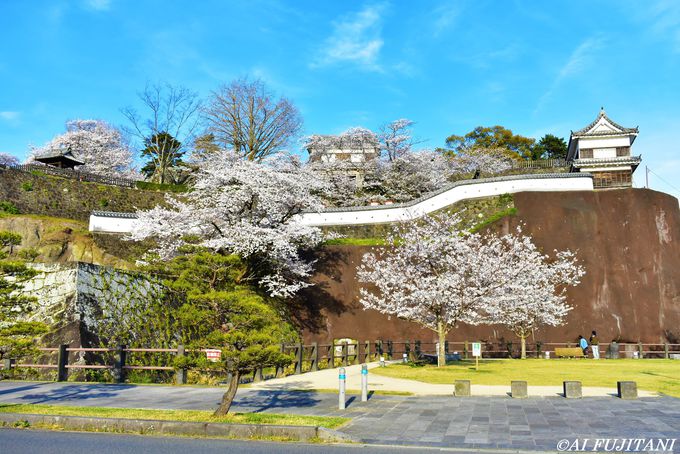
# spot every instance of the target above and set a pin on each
(9, 208)
(161, 187)
(27, 186)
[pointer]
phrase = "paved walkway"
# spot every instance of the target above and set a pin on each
(437, 421)
(328, 379)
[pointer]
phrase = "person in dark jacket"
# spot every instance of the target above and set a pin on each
(595, 345)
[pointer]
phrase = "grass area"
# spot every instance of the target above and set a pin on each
(330, 422)
(355, 241)
(660, 375)
(493, 218)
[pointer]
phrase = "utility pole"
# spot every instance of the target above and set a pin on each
(647, 177)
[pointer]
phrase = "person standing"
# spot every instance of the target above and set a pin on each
(583, 343)
(595, 344)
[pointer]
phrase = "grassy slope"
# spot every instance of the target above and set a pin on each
(650, 374)
(330, 422)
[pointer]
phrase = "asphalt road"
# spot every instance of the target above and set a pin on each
(18, 441)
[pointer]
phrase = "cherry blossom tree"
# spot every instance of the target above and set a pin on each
(245, 208)
(536, 295)
(480, 159)
(7, 159)
(438, 276)
(396, 139)
(95, 142)
(411, 175)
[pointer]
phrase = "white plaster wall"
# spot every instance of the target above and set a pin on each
(456, 194)
(105, 224)
(439, 201)
(603, 142)
(603, 153)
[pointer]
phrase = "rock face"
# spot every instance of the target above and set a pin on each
(57, 240)
(628, 241)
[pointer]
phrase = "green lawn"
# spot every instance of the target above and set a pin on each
(659, 375)
(330, 422)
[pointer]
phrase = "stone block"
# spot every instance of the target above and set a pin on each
(518, 389)
(627, 389)
(461, 388)
(572, 389)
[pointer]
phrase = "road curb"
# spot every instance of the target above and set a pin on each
(198, 429)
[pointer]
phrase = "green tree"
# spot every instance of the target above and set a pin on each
(552, 147)
(164, 154)
(492, 138)
(17, 337)
(248, 327)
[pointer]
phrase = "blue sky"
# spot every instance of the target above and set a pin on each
(535, 67)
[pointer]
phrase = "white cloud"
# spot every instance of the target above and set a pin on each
(9, 115)
(446, 16)
(98, 5)
(664, 17)
(355, 39)
(577, 63)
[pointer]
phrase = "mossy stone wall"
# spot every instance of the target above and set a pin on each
(67, 198)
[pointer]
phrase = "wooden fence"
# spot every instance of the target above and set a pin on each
(74, 174)
(539, 164)
(312, 357)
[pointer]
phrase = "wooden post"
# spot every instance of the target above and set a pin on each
(465, 350)
(356, 353)
(62, 362)
(331, 356)
(665, 351)
(279, 369)
(298, 358)
(379, 347)
(119, 364)
(390, 349)
(407, 349)
(315, 357)
(367, 351)
(417, 347)
(181, 374)
(640, 353)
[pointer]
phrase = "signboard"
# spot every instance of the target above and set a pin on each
(477, 349)
(213, 354)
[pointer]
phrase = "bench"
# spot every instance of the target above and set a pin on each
(569, 352)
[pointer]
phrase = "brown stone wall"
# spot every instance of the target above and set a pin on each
(628, 240)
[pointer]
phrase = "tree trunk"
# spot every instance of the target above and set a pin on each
(523, 337)
(228, 397)
(441, 354)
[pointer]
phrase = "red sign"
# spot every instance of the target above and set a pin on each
(213, 355)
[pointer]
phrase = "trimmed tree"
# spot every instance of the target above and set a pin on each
(217, 312)
(17, 336)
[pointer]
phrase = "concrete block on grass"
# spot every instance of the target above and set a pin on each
(461, 388)
(518, 389)
(572, 389)
(627, 389)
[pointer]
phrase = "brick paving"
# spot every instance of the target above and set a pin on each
(536, 423)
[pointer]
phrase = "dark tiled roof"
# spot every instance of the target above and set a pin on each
(114, 214)
(53, 154)
(622, 160)
(584, 131)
